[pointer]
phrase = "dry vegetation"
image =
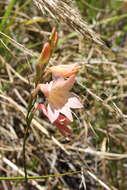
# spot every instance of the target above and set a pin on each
(97, 150)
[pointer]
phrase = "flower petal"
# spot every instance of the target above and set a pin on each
(57, 78)
(37, 89)
(58, 95)
(45, 89)
(68, 84)
(74, 101)
(62, 85)
(61, 130)
(43, 108)
(67, 112)
(64, 128)
(52, 113)
(63, 120)
(74, 68)
(59, 92)
(64, 70)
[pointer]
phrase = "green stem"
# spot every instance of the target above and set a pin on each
(24, 150)
(40, 177)
(29, 118)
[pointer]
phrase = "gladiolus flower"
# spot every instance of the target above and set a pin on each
(61, 122)
(59, 97)
(64, 70)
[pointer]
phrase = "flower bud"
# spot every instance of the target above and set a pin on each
(45, 55)
(43, 60)
(53, 40)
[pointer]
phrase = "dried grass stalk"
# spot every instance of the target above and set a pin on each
(59, 9)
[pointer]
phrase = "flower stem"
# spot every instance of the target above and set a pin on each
(41, 177)
(24, 150)
(29, 118)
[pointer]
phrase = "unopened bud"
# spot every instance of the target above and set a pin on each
(45, 55)
(53, 40)
(52, 34)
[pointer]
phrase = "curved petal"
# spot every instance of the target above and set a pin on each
(58, 95)
(52, 113)
(59, 92)
(64, 70)
(67, 112)
(63, 128)
(50, 86)
(63, 120)
(66, 129)
(68, 84)
(39, 87)
(74, 69)
(43, 108)
(57, 77)
(74, 101)
(45, 89)
(63, 85)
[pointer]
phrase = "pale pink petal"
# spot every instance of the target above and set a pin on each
(37, 89)
(43, 108)
(74, 102)
(72, 69)
(67, 112)
(68, 84)
(50, 86)
(58, 95)
(58, 82)
(52, 113)
(59, 92)
(59, 99)
(64, 70)
(63, 85)
(57, 77)
(45, 89)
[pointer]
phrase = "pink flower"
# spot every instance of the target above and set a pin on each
(59, 97)
(61, 122)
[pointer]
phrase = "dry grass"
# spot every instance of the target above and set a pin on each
(98, 146)
(63, 12)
